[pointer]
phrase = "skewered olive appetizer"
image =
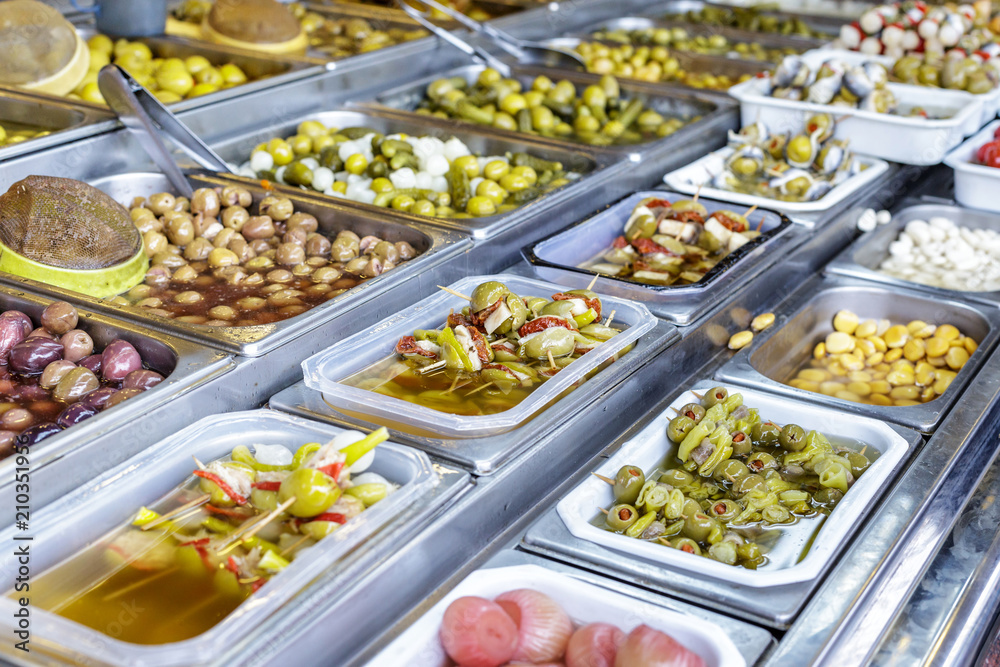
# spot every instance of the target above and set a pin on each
(597, 115)
(15, 133)
(493, 354)
(645, 63)
(673, 244)
(419, 175)
(734, 475)
(966, 74)
(880, 363)
(223, 260)
(680, 40)
(169, 79)
(859, 87)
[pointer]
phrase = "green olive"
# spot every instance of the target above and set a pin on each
(776, 514)
(724, 552)
(765, 434)
(535, 304)
(698, 526)
(314, 492)
(714, 396)
(628, 483)
(686, 544)
(859, 463)
(219, 497)
(724, 510)
(792, 438)
(828, 496)
(486, 294)
(679, 427)
(558, 341)
(748, 484)
(731, 471)
(761, 461)
(799, 149)
(562, 309)
(742, 444)
(677, 478)
(621, 517)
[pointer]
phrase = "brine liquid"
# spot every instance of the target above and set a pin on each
(445, 390)
(135, 602)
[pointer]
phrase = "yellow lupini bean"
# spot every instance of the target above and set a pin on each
(914, 349)
(860, 376)
(859, 388)
(740, 340)
(880, 399)
(908, 392)
(970, 345)
(927, 394)
(830, 388)
(820, 350)
(804, 385)
(866, 329)
(893, 354)
(956, 358)
(880, 387)
(851, 363)
(899, 378)
(875, 359)
(936, 346)
(845, 321)
(947, 332)
(848, 396)
(838, 342)
(879, 343)
(813, 375)
(865, 347)
(762, 321)
(896, 336)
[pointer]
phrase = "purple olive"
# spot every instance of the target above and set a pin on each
(75, 385)
(36, 434)
(16, 419)
(40, 332)
(28, 393)
(7, 441)
(119, 359)
(93, 362)
(55, 372)
(120, 396)
(77, 345)
(72, 415)
(32, 355)
(98, 399)
(142, 379)
(11, 333)
(17, 316)
(59, 317)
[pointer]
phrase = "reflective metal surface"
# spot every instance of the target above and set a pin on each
(64, 120)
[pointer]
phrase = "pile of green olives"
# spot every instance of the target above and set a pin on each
(680, 39)
(748, 18)
(733, 473)
(965, 74)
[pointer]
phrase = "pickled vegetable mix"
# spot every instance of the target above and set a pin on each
(673, 244)
(217, 539)
(737, 484)
(420, 175)
(798, 168)
(493, 354)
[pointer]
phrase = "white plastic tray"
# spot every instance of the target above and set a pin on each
(816, 57)
(975, 184)
(584, 602)
(903, 139)
(650, 447)
(77, 520)
(692, 177)
(323, 371)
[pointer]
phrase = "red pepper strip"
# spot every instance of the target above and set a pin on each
(268, 486)
(480, 317)
(728, 223)
(225, 511)
(657, 203)
(457, 319)
(232, 566)
(333, 470)
(591, 303)
(331, 516)
(541, 324)
(640, 265)
(649, 247)
(256, 586)
(620, 242)
(200, 542)
(482, 349)
(219, 482)
(499, 367)
(408, 345)
(688, 216)
(203, 554)
(503, 345)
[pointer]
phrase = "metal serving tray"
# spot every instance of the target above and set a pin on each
(111, 500)
(65, 120)
(862, 258)
(558, 258)
(479, 139)
(673, 103)
(800, 43)
(486, 455)
(806, 318)
(91, 447)
(434, 245)
(549, 537)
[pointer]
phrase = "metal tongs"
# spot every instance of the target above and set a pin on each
(525, 51)
(145, 117)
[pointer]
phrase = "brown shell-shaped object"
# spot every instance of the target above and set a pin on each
(67, 224)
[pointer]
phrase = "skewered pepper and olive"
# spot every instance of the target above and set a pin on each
(966, 74)
(858, 87)
(493, 354)
(54, 377)
(708, 44)
(222, 260)
(169, 79)
(418, 175)
(879, 363)
(799, 168)
(341, 37)
(597, 115)
(673, 244)
(188, 570)
(645, 63)
(14, 133)
(747, 18)
(734, 479)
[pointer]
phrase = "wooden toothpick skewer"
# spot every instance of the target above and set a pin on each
(603, 478)
(292, 546)
(197, 502)
(479, 388)
(606, 512)
(863, 449)
(201, 466)
(610, 317)
(138, 584)
(244, 533)
(454, 382)
(552, 362)
(451, 291)
(697, 395)
(593, 282)
(750, 211)
(698, 191)
(432, 367)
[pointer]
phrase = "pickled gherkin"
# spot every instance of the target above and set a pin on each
(713, 499)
